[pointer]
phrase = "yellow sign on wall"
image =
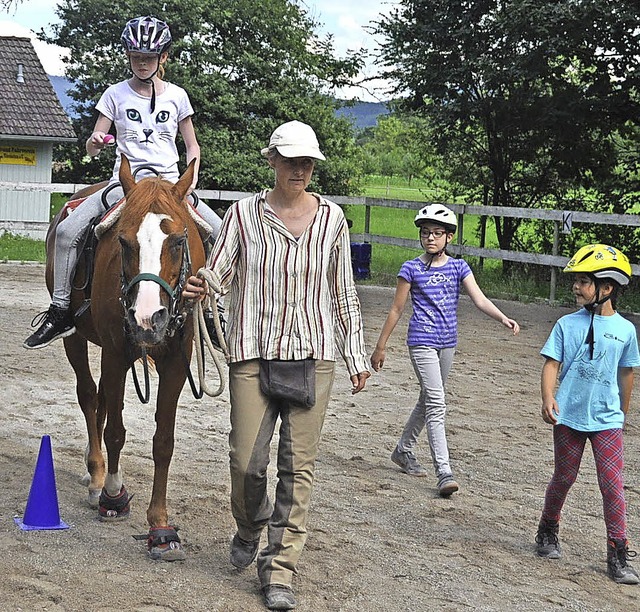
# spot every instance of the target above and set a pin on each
(20, 156)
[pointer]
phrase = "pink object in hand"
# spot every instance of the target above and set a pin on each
(109, 139)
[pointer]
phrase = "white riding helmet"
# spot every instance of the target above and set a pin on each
(437, 213)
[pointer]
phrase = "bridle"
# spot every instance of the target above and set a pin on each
(177, 316)
(177, 311)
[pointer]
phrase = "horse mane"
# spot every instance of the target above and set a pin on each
(152, 195)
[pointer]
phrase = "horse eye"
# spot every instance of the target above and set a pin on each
(176, 243)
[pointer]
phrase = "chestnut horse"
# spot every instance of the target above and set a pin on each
(136, 309)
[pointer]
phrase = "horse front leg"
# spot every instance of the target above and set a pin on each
(76, 349)
(114, 499)
(163, 542)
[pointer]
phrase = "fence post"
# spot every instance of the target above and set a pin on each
(554, 251)
(367, 219)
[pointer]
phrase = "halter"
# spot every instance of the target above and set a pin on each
(177, 316)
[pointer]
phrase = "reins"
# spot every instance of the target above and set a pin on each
(201, 335)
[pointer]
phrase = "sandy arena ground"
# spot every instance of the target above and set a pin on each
(379, 541)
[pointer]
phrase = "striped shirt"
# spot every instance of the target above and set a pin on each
(288, 298)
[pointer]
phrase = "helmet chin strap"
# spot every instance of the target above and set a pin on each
(592, 309)
(150, 81)
(429, 257)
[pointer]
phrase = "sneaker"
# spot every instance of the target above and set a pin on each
(618, 568)
(53, 324)
(547, 543)
(407, 462)
(243, 552)
(211, 328)
(279, 597)
(447, 486)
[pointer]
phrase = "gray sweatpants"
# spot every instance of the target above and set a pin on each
(432, 368)
(71, 232)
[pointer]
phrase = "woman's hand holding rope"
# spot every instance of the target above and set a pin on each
(197, 288)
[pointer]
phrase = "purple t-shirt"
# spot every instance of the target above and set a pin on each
(434, 296)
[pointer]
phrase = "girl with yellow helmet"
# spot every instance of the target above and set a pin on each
(592, 352)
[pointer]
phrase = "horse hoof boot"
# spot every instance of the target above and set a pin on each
(164, 544)
(114, 508)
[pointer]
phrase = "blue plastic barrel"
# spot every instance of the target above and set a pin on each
(361, 260)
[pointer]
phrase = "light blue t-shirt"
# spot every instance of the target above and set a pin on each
(588, 396)
(434, 296)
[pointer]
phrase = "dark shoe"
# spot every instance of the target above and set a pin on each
(407, 462)
(547, 543)
(53, 324)
(618, 568)
(279, 597)
(211, 328)
(447, 486)
(243, 552)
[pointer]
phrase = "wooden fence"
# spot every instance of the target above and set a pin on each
(562, 222)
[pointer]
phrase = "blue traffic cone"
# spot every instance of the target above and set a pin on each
(42, 506)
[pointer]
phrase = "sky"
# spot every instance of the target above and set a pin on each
(346, 20)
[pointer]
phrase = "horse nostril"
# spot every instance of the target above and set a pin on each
(160, 318)
(131, 318)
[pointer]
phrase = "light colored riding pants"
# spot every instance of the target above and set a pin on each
(71, 233)
(432, 368)
(253, 421)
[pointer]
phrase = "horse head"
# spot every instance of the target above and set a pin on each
(156, 235)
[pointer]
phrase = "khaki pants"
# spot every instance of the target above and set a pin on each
(253, 421)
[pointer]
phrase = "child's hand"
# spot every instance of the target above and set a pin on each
(377, 359)
(549, 411)
(511, 324)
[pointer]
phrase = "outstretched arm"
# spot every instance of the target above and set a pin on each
(484, 304)
(395, 312)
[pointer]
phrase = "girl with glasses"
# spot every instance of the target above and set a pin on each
(434, 281)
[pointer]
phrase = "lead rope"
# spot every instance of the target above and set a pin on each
(200, 333)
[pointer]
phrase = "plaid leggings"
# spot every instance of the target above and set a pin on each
(608, 453)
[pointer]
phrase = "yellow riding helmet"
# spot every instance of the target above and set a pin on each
(603, 261)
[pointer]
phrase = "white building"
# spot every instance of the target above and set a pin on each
(32, 120)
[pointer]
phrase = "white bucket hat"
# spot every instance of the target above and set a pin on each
(294, 139)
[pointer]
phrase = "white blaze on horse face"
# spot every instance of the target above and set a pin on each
(150, 239)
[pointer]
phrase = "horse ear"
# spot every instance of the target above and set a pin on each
(181, 188)
(126, 178)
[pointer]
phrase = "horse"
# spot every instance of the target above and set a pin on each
(136, 311)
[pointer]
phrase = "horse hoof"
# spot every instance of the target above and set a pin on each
(114, 508)
(164, 544)
(94, 498)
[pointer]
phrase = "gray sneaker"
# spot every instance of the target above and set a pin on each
(447, 486)
(407, 462)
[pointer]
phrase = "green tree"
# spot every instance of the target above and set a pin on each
(396, 146)
(247, 66)
(526, 96)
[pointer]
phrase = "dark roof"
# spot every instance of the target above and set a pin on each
(30, 108)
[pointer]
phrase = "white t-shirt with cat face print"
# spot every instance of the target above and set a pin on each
(146, 138)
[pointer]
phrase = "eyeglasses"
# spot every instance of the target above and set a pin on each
(439, 233)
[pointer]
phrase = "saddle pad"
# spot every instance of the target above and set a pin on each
(109, 218)
(70, 206)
